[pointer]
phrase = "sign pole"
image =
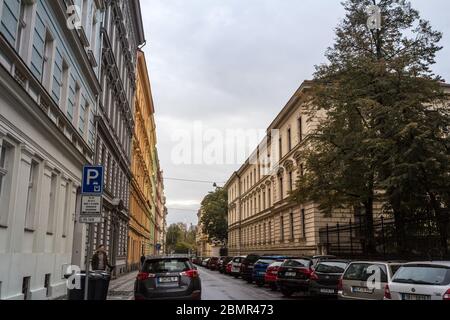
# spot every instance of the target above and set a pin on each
(88, 260)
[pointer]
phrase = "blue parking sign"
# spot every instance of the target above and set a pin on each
(92, 180)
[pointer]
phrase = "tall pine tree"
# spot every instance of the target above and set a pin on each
(384, 134)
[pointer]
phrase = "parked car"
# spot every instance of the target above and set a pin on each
(247, 267)
(260, 268)
(197, 260)
(205, 262)
(420, 281)
(229, 266)
(223, 262)
(271, 275)
(324, 281)
(294, 275)
(236, 266)
(366, 280)
(319, 258)
(168, 278)
(212, 263)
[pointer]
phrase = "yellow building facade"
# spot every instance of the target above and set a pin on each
(261, 216)
(142, 225)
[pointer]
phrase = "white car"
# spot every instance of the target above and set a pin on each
(420, 281)
(236, 266)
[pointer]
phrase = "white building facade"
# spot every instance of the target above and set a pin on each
(48, 100)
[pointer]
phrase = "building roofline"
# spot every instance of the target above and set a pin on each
(136, 5)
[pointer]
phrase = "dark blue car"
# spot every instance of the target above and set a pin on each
(260, 268)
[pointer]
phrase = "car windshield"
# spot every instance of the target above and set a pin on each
(331, 267)
(251, 259)
(166, 266)
(298, 263)
(264, 261)
(276, 264)
(426, 275)
(363, 271)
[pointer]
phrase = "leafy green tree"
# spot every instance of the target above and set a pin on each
(214, 219)
(386, 120)
(181, 239)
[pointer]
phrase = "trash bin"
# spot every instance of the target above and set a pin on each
(102, 280)
(98, 286)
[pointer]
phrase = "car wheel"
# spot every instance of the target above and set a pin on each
(249, 281)
(286, 292)
(260, 284)
(236, 276)
(273, 287)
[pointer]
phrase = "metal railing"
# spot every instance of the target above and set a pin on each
(419, 239)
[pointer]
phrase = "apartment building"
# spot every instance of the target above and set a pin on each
(261, 217)
(49, 88)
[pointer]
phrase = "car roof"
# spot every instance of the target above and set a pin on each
(431, 263)
(166, 257)
(335, 260)
(377, 262)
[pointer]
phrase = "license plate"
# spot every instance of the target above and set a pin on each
(290, 274)
(362, 290)
(416, 297)
(327, 291)
(262, 273)
(168, 279)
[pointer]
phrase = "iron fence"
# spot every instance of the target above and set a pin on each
(421, 240)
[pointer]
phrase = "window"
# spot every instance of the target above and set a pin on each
(72, 97)
(65, 86)
(303, 223)
(47, 285)
(6, 161)
(52, 202)
(270, 232)
(57, 75)
(269, 194)
(265, 233)
(83, 114)
(22, 24)
(26, 288)
(291, 182)
(281, 189)
(280, 143)
(47, 60)
(10, 19)
(300, 129)
(67, 212)
(31, 196)
(289, 140)
(39, 42)
(281, 228)
(291, 218)
(264, 200)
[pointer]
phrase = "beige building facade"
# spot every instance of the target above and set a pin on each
(261, 217)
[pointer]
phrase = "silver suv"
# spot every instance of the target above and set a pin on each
(366, 280)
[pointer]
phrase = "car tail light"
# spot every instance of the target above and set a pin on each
(447, 295)
(145, 275)
(190, 274)
(341, 284)
(314, 276)
(308, 272)
(387, 293)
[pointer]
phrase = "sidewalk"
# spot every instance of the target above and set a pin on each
(122, 288)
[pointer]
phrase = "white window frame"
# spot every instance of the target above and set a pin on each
(4, 196)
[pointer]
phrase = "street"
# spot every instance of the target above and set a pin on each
(215, 286)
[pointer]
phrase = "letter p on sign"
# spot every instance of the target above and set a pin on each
(92, 180)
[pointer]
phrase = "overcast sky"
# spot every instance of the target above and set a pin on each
(233, 64)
